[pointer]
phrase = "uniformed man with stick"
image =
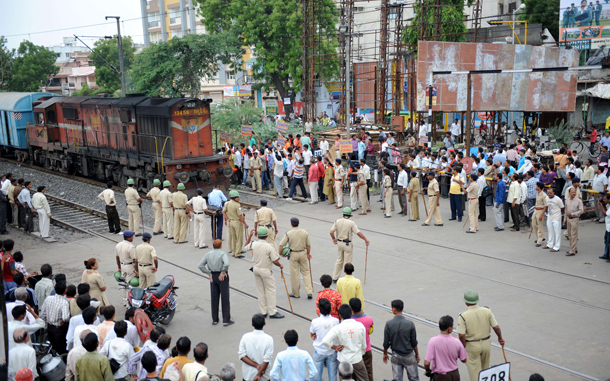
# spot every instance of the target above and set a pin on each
(299, 242)
(126, 259)
(264, 257)
(345, 230)
(153, 194)
(266, 218)
(234, 218)
(433, 194)
(146, 258)
(165, 196)
(181, 215)
(474, 327)
(133, 206)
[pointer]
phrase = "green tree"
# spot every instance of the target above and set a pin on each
(178, 66)
(32, 67)
(452, 21)
(107, 77)
(274, 28)
(542, 12)
(230, 115)
(6, 62)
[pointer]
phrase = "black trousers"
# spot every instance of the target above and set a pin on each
(21, 218)
(114, 223)
(482, 209)
(57, 337)
(219, 290)
(217, 230)
(515, 211)
(29, 220)
(3, 209)
(321, 195)
(9, 213)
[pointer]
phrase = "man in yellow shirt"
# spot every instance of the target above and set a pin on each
(349, 286)
(183, 345)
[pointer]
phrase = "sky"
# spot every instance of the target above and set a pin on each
(37, 20)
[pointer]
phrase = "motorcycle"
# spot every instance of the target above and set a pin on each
(51, 366)
(158, 301)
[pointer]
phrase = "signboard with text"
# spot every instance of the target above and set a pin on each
(584, 25)
(282, 126)
(423, 140)
(225, 137)
(345, 146)
(496, 373)
(246, 130)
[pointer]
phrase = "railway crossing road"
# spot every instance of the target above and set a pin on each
(551, 308)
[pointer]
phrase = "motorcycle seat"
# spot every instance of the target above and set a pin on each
(162, 287)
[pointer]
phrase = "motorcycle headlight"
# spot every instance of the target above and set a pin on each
(137, 303)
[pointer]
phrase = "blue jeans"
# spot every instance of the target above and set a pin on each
(218, 220)
(293, 186)
(278, 185)
(265, 180)
(456, 205)
(245, 176)
(331, 364)
(8, 286)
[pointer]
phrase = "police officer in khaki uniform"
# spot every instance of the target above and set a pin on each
(474, 326)
(345, 229)
(540, 209)
(433, 193)
(146, 258)
(362, 187)
(126, 259)
(234, 217)
(413, 190)
(256, 165)
(181, 215)
(153, 194)
(266, 218)
(165, 197)
(264, 257)
(472, 192)
(133, 206)
(300, 248)
(339, 177)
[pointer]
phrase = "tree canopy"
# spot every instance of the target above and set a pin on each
(106, 77)
(452, 25)
(6, 62)
(32, 67)
(542, 12)
(274, 28)
(177, 67)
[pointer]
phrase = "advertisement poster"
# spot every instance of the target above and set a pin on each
(433, 95)
(584, 24)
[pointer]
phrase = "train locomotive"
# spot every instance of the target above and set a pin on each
(138, 137)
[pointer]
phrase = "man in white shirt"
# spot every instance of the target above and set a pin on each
(600, 184)
(132, 335)
(402, 183)
(22, 355)
(350, 338)
(40, 204)
(553, 222)
(455, 130)
(198, 206)
(256, 351)
(320, 326)
(18, 322)
(482, 181)
(89, 316)
(119, 349)
(83, 301)
(514, 199)
(21, 295)
(308, 126)
(323, 145)
(26, 211)
(524, 211)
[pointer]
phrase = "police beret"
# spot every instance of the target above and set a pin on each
(128, 234)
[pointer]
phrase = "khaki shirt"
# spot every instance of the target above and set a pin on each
(11, 194)
(126, 252)
(16, 192)
(233, 210)
(541, 200)
(131, 196)
(476, 323)
(578, 193)
(339, 172)
(165, 196)
(574, 206)
(362, 179)
(145, 254)
(107, 196)
(180, 200)
(387, 181)
(154, 194)
(263, 253)
(413, 185)
(265, 217)
(473, 190)
(297, 239)
(345, 229)
(433, 188)
(256, 163)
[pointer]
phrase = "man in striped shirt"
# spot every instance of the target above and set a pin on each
(297, 179)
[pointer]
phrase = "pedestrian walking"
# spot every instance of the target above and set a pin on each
(107, 195)
(573, 210)
(474, 326)
(400, 336)
(146, 259)
(320, 326)
(345, 230)
(126, 259)
(472, 193)
(256, 351)
(297, 179)
(181, 214)
(414, 189)
(41, 205)
(553, 222)
(198, 206)
(153, 194)
(499, 201)
(215, 264)
(433, 201)
(134, 203)
(278, 175)
(299, 242)
(165, 196)
(540, 208)
(234, 218)
(443, 352)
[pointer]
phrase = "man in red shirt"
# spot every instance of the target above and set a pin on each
(321, 172)
(333, 296)
(313, 177)
(8, 266)
(593, 140)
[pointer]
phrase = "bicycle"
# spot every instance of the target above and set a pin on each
(579, 147)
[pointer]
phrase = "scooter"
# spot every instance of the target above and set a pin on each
(158, 301)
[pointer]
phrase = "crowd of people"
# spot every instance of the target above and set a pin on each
(18, 206)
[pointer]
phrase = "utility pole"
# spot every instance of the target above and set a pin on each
(120, 42)
(348, 77)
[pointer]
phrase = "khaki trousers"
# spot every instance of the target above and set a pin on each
(199, 229)
(265, 285)
(147, 277)
(339, 193)
(236, 231)
(15, 214)
(256, 176)
(388, 202)
(134, 218)
(180, 225)
(473, 206)
(364, 201)
(168, 222)
(573, 234)
(157, 210)
(353, 196)
(414, 200)
(344, 255)
(299, 263)
(478, 357)
(538, 226)
(127, 272)
(271, 237)
(434, 211)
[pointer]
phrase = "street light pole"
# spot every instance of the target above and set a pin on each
(120, 43)
(521, 7)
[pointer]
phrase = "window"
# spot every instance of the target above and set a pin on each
(154, 20)
(230, 74)
(174, 16)
(58, 55)
(70, 113)
(67, 55)
(155, 37)
(511, 8)
(501, 8)
(358, 9)
(177, 33)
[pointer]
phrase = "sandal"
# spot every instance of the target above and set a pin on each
(215, 323)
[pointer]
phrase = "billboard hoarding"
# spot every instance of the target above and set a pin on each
(586, 25)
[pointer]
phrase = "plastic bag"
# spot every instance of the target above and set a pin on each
(172, 372)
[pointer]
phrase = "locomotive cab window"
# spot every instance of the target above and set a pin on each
(70, 113)
(125, 116)
(40, 118)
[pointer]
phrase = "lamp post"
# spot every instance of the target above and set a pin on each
(120, 43)
(521, 7)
